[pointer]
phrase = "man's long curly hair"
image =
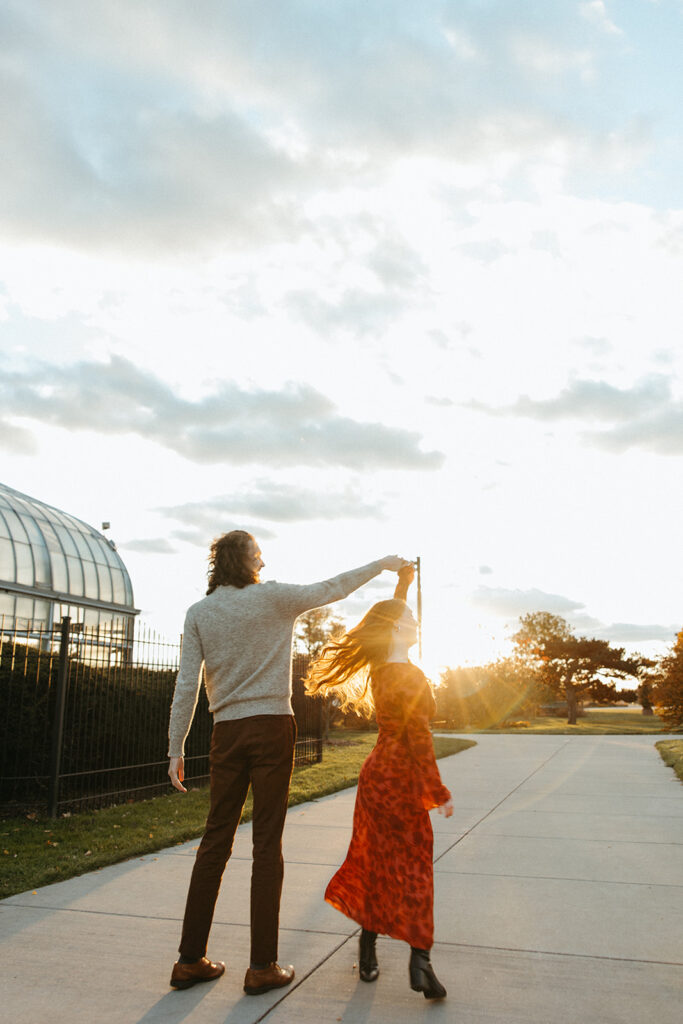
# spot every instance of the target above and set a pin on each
(228, 561)
(347, 662)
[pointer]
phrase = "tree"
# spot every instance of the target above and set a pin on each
(646, 682)
(313, 630)
(485, 696)
(568, 665)
(668, 691)
(604, 693)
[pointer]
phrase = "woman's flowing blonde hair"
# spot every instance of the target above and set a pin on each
(346, 663)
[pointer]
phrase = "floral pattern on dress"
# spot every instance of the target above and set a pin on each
(386, 883)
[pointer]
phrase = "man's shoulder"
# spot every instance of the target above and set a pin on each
(195, 608)
(227, 595)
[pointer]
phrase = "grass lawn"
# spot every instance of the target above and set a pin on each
(596, 722)
(37, 851)
(672, 754)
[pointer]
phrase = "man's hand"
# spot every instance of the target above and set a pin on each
(446, 809)
(176, 772)
(394, 562)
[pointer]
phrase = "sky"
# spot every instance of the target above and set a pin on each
(361, 278)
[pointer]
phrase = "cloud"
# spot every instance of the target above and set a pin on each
(594, 346)
(513, 603)
(273, 502)
(485, 570)
(99, 152)
(486, 251)
(16, 440)
(645, 416)
(661, 433)
(356, 310)
(295, 426)
(394, 272)
(588, 399)
(595, 12)
(203, 534)
(441, 402)
(160, 179)
(222, 126)
(149, 546)
(630, 632)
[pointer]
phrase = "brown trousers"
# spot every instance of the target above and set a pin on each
(257, 751)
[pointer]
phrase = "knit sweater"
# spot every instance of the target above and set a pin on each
(243, 637)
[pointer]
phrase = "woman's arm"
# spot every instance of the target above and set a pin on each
(406, 575)
(420, 746)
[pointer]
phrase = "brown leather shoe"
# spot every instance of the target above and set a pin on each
(272, 976)
(187, 975)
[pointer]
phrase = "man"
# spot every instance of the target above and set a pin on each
(242, 633)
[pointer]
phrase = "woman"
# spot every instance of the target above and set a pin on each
(386, 883)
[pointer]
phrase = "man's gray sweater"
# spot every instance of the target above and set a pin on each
(244, 639)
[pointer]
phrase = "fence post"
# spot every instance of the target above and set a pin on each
(58, 719)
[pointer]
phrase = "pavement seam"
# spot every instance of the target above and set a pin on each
(578, 839)
(549, 952)
(566, 878)
(145, 917)
(594, 814)
(293, 988)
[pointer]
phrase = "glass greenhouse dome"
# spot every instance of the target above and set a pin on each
(53, 565)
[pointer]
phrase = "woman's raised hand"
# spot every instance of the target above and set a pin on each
(407, 573)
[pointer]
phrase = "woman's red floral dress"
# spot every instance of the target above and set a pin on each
(386, 883)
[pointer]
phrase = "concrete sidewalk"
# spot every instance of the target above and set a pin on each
(559, 900)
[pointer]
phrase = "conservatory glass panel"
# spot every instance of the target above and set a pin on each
(40, 555)
(91, 618)
(75, 576)
(118, 586)
(24, 609)
(66, 540)
(49, 514)
(60, 579)
(92, 587)
(105, 582)
(16, 526)
(41, 613)
(24, 574)
(111, 556)
(8, 570)
(98, 547)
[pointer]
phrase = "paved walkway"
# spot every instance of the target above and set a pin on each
(559, 900)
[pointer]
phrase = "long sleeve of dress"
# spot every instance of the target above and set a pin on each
(418, 739)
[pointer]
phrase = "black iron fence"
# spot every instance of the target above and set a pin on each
(84, 718)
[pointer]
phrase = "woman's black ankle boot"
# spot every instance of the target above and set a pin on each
(368, 968)
(422, 977)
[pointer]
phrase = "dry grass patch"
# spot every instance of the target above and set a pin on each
(671, 752)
